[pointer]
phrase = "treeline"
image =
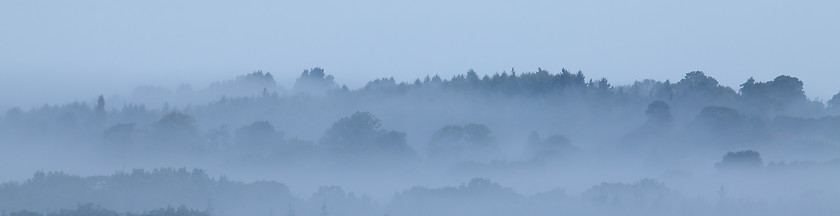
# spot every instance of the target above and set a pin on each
(58, 192)
(93, 210)
(389, 135)
(139, 190)
(465, 118)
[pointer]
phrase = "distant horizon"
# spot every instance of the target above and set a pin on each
(55, 52)
(287, 80)
(648, 107)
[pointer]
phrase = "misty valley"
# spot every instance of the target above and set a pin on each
(510, 143)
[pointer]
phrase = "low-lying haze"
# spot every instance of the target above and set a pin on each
(58, 52)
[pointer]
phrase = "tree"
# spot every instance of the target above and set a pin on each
(360, 134)
(478, 134)
(697, 81)
(446, 142)
(551, 147)
(472, 77)
(258, 134)
(171, 211)
(778, 94)
(665, 91)
(176, 128)
(719, 116)
(315, 81)
(176, 123)
(382, 84)
(86, 210)
(351, 131)
(701, 90)
(740, 160)
(603, 86)
(724, 125)
(479, 196)
(100, 106)
(656, 131)
(99, 114)
(719, 119)
(119, 134)
(834, 103)
(788, 89)
(25, 213)
(217, 137)
(455, 142)
(634, 199)
(658, 113)
(244, 85)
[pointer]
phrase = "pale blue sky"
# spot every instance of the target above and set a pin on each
(58, 51)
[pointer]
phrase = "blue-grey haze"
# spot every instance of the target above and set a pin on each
(59, 51)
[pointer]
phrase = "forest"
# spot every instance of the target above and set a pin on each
(510, 143)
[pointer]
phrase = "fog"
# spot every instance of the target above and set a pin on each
(375, 107)
(518, 142)
(89, 47)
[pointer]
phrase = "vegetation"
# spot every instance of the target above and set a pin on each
(390, 135)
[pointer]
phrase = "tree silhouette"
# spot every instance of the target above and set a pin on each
(834, 103)
(99, 111)
(740, 160)
(360, 134)
(315, 81)
(258, 134)
(659, 113)
(119, 134)
(697, 81)
(86, 210)
(25, 213)
(777, 95)
(175, 130)
(455, 142)
(724, 125)
(551, 147)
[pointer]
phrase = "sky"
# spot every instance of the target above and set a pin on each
(61, 51)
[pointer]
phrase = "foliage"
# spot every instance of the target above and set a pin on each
(360, 134)
(551, 147)
(92, 210)
(315, 81)
(740, 160)
(659, 113)
(468, 142)
(138, 188)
